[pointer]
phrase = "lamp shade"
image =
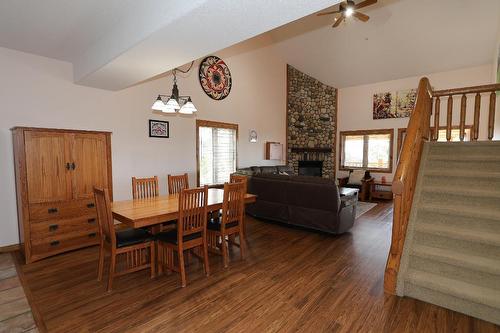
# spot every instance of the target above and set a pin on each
(173, 104)
(158, 105)
(167, 109)
(188, 108)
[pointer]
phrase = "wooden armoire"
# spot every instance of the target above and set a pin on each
(56, 171)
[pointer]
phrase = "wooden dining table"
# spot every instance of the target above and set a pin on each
(150, 212)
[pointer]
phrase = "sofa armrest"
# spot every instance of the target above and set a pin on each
(349, 200)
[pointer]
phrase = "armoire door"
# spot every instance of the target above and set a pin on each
(90, 164)
(47, 169)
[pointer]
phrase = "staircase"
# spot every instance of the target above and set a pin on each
(451, 254)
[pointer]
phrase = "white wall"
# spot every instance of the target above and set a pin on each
(355, 103)
(37, 91)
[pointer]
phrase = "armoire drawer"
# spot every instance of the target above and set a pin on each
(61, 210)
(57, 245)
(57, 227)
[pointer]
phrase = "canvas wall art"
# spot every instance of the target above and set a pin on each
(398, 104)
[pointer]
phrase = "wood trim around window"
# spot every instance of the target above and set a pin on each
(216, 124)
(389, 131)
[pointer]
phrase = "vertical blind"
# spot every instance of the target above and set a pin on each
(217, 154)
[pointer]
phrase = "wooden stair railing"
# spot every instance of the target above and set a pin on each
(405, 178)
(419, 131)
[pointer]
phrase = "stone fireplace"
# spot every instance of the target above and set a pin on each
(311, 125)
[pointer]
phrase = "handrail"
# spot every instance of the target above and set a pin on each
(419, 129)
(405, 179)
(467, 90)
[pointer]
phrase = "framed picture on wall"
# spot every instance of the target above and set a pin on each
(158, 129)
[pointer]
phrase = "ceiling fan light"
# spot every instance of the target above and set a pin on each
(158, 105)
(349, 11)
(173, 104)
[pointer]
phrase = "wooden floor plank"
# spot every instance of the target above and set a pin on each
(293, 280)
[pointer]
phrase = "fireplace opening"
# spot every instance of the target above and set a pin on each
(311, 168)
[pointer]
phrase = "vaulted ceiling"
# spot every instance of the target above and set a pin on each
(114, 44)
(403, 38)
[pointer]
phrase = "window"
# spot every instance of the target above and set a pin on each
(370, 149)
(216, 151)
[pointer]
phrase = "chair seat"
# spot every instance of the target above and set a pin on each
(215, 224)
(129, 237)
(171, 236)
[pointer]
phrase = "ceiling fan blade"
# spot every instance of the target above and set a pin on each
(365, 4)
(329, 13)
(339, 20)
(361, 16)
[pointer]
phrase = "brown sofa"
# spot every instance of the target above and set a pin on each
(309, 202)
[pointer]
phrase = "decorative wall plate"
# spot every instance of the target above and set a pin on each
(215, 77)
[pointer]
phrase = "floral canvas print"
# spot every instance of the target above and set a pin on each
(394, 105)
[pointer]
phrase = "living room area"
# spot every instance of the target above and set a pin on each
(284, 128)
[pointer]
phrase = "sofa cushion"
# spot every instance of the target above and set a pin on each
(356, 177)
(269, 169)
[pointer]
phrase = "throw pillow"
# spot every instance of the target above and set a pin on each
(283, 173)
(356, 176)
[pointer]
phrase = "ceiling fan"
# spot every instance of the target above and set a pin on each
(347, 9)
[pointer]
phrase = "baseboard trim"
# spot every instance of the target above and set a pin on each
(9, 248)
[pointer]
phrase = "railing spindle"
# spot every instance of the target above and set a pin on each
(437, 109)
(449, 118)
(463, 109)
(477, 110)
(491, 117)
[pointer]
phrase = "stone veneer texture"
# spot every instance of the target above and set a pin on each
(311, 120)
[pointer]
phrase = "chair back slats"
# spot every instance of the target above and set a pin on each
(192, 211)
(105, 215)
(145, 187)
(177, 183)
(233, 204)
(239, 179)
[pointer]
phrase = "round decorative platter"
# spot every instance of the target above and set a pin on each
(215, 77)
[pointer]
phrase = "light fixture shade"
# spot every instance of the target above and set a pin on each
(349, 11)
(167, 109)
(173, 104)
(158, 105)
(188, 108)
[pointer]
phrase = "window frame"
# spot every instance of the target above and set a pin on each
(343, 134)
(215, 124)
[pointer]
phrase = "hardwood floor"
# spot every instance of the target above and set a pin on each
(292, 280)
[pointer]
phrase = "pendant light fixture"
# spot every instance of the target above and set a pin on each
(175, 103)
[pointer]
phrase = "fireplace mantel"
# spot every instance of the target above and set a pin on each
(313, 149)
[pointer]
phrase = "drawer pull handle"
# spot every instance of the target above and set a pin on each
(92, 235)
(90, 205)
(54, 243)
(53, 227)
(91, 221)
(52, 210)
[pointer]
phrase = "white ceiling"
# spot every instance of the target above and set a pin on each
(403, 38)
(114, 44)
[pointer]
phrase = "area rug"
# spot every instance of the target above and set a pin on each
(363, 207)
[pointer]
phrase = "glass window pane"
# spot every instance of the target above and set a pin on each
(379, 146)
(217, 154)
(353, 151)
(455, 135)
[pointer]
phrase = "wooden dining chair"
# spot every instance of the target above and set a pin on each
(221, 230)
(136, 246)
(145, 187)
(177, 183)
(239, 179)
(191, 233)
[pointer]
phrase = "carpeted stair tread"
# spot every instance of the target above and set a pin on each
(472, 262)
(456, 288)
(459, 233)
(460, 190)
(461, 173)
(461, 158)
(461, 211)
